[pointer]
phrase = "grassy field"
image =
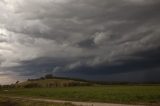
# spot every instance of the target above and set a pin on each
(21, 102)
(112, 94)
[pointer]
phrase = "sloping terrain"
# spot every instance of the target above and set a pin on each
(50, 83)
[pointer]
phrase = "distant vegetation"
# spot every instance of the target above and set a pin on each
(50, 76)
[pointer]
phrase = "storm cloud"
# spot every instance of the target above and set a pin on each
(100, 40)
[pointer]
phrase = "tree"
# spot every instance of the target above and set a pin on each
(17, 82)
(48, 76)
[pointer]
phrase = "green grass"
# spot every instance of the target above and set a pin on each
(21, 102)
(112, 94)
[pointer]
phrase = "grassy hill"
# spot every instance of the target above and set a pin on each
(51, 82)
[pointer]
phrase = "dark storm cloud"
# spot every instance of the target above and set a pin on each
(147, 60)
(146, 64)
(86, 37)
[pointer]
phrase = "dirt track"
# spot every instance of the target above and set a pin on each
(74, 102)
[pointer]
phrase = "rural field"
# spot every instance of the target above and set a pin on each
(125, 94)
(4, 101)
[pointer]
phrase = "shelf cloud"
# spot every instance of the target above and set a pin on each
(97, 40)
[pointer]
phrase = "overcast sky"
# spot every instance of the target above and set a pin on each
(111, 40)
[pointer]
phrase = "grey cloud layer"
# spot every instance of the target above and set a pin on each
(66, 35)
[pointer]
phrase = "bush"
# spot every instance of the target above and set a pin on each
(32, 85)
(48, 76)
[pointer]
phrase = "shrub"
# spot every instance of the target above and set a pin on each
(32, 85)
(48, 76)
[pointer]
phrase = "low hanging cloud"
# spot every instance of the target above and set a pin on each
(79, 38)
